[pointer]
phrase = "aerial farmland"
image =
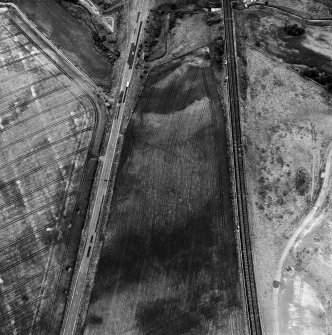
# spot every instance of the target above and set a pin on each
(48, 127)
(169, 262)
(168, 265)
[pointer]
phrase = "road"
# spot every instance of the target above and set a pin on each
(241, 201)
(78, 286)
(314, 217)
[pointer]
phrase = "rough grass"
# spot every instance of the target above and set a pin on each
(286, 127)
(265, 29)
(70, 35)
(309, 8)
(169, 265)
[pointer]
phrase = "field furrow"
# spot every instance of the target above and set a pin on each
(47, 125)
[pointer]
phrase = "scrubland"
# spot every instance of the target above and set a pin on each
(286, 121)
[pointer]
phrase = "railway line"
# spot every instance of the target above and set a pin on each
(252, 308)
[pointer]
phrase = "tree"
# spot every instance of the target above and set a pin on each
(294, 29)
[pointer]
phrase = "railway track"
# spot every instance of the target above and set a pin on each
(250, 292)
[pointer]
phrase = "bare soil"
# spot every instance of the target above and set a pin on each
(307, 288)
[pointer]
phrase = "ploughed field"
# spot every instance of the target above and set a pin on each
(46, 125)
(168, 263)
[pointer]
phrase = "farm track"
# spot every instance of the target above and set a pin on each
(250, 292)
(46, 146)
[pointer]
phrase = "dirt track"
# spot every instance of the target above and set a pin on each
(313, 219)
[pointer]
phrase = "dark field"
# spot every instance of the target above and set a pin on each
(169, 263)
(72, 37)
(47, 123)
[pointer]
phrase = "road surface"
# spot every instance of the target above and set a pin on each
(241, 201)
(78, 286)
(314, 217)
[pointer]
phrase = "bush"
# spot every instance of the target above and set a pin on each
(213, 19)
(294, 29)
(95, 319)
(219, 45)
(325, 79)
(310, 73)
(302, 182)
